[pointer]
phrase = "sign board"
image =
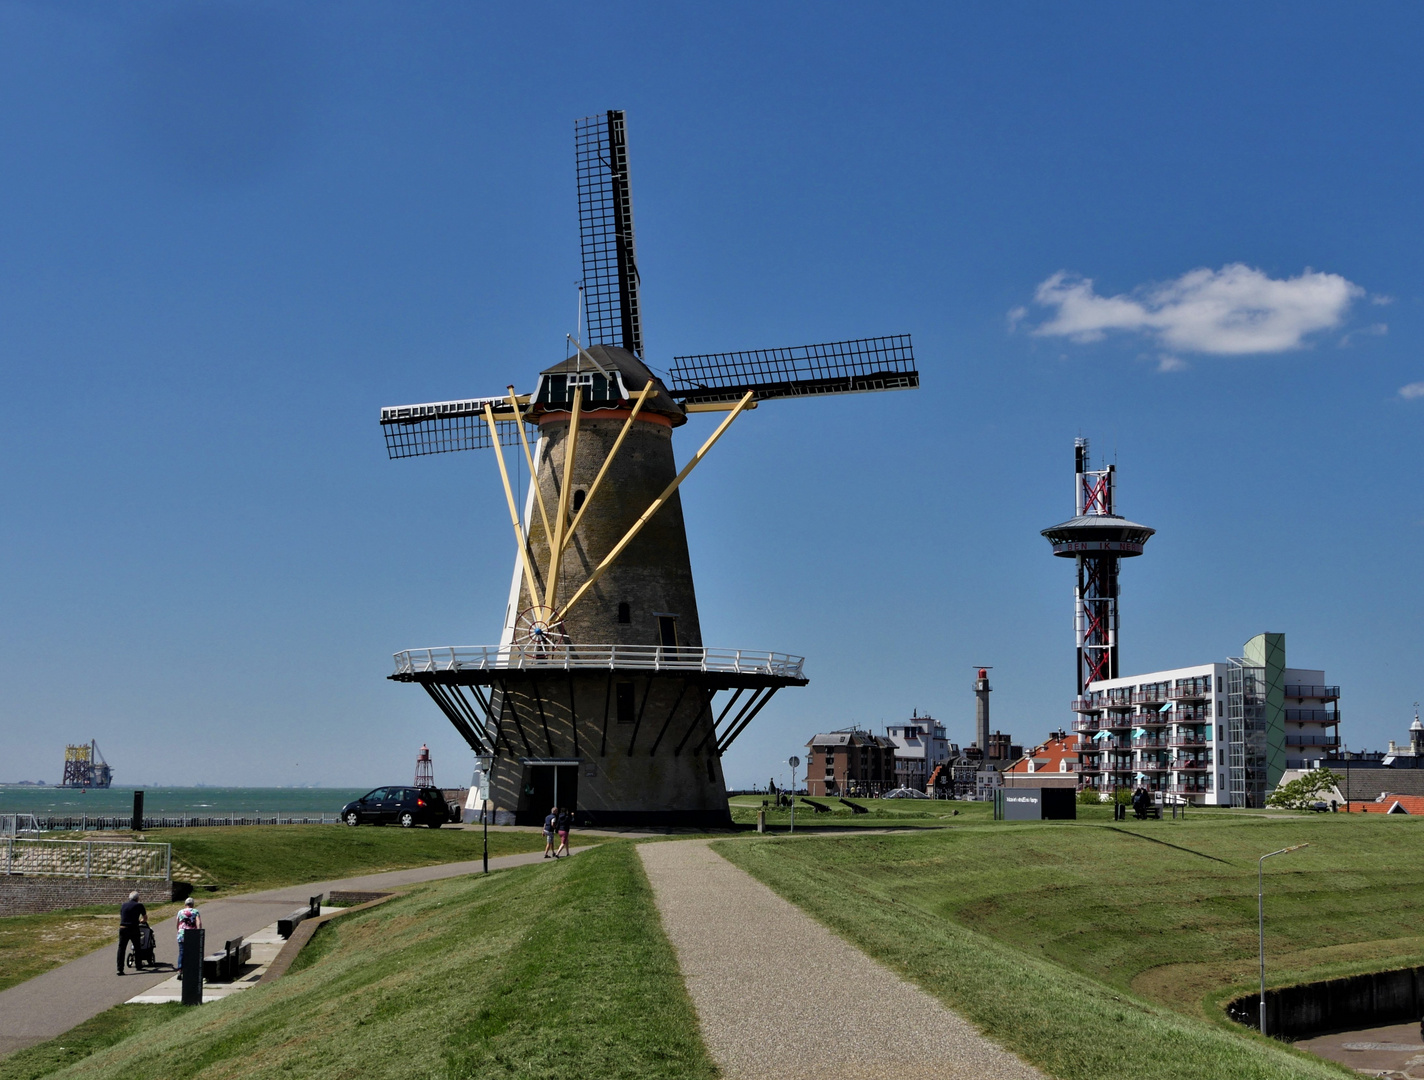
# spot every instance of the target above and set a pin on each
(1035, 804)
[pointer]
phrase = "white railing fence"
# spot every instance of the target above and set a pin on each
(14, 824)
(620, 657)
(86, 858)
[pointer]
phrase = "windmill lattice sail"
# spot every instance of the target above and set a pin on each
(841, 367)
(610, 258)
(439, 427)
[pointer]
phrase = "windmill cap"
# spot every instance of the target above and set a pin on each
(1107, 534)
(635, 375)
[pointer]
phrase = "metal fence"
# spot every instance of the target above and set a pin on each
(97, 823)
(86, 858)
(14, 824)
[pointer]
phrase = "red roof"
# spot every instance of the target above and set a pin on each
(1046, 757)
(1408, 804)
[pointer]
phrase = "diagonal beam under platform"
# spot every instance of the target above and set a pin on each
(738, 944)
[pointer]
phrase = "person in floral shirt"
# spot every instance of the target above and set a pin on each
(189, 918)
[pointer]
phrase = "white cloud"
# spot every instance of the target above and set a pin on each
(1232, 311)
(1379, 329)
(1411, 391)
(1171, 363)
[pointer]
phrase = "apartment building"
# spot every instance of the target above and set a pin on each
(1218, 734)
(849, 761)
(921, 746)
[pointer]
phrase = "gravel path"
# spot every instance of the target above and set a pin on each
(777, 994)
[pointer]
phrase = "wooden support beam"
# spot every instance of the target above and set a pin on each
(603, 470)
(651, 510)
(556, 549)
(528, 457)
(524, 559)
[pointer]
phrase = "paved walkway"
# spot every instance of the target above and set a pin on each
(778, 994)
(52, 1003)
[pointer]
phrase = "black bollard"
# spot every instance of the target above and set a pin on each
(137, 825)
(192, 967)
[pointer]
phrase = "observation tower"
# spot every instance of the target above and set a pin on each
(1098, 538)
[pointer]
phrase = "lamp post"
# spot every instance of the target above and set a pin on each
(794, 762)
(1261, 917)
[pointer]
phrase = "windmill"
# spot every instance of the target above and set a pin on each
(601, 696)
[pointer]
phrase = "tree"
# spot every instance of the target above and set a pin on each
(1304, 790)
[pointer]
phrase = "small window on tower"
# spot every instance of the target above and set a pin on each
(579, 496)
(625, 613)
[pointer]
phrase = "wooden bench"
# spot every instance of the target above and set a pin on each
(288, 923)
(227, 965)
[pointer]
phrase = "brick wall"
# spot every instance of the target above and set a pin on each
(21, 895)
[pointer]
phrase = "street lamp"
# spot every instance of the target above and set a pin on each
(794, 762)
(1261, 917)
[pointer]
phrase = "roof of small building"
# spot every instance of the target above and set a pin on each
(1047, 756)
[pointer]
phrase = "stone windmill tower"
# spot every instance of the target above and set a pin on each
(601, 696)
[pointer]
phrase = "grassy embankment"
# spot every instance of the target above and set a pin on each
(226, 861)
(880, 813)
(1101, 951)
(549, 971)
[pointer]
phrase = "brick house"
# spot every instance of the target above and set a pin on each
(849, 761)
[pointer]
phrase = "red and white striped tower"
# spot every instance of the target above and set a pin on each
(424, 768)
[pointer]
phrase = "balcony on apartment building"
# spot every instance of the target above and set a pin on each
(1294, 738)
(1315, 693)
(1188, 740)
(1313, 716)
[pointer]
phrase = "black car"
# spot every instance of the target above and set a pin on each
(403, 806)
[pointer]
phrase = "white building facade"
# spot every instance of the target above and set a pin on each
(1219, 734)
(921, 746)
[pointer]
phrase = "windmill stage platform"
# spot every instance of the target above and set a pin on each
(581, 724)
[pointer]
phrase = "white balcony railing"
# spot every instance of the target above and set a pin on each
(583, 657)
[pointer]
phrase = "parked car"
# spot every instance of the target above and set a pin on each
(403, 806)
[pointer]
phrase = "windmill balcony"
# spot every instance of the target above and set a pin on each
(620, 657)
(1318, 693)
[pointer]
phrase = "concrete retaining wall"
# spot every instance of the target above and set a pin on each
(1359, 1001)
(21, 895)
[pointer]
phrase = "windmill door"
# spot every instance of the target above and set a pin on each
(549, 785)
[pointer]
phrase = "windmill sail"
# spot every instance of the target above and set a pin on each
(610, 260)
(841, 367)
(439, 427)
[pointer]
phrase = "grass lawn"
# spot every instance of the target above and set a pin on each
(1097, 950)
(880, 813)
(249, 858)
(555, 970)
(224, 861)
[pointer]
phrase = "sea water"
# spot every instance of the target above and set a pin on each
(174, 801)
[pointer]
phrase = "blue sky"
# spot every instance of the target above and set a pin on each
(230, 232)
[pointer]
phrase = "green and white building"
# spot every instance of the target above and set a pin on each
(1218, 734)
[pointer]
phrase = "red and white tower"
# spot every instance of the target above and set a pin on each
(1098, 537)
(424, 768)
